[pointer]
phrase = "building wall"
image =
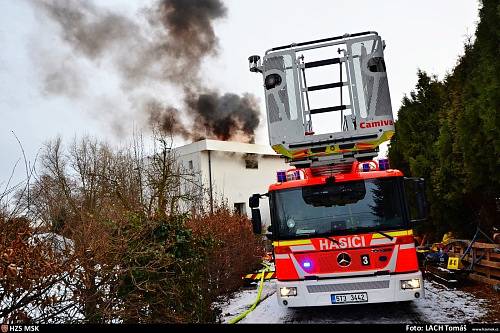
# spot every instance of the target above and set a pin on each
(192, 163)
(231, 179)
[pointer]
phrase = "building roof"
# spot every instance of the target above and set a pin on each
(229, 146)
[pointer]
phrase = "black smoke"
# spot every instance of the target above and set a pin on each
(225, 117)
(166, 44)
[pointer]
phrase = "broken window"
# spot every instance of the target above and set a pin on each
(251, 161)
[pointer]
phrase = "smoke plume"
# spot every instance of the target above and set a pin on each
(163, 46)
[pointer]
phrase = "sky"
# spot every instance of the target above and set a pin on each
(426, 34)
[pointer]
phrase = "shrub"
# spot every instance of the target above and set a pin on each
(136, 254)
(236, 250)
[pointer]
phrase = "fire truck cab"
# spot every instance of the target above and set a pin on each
(344, 237)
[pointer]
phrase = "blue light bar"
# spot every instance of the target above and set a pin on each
(306, 264)
(281, 175)
(383, 164)
(294, 175)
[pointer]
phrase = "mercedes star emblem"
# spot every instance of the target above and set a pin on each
(344, 259)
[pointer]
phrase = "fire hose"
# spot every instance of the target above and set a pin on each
(257, 300)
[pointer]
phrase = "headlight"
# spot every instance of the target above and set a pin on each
(288, 291)
(410, 284)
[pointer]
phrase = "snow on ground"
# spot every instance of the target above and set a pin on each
(440, 305)
(444, 305)
(243, 300)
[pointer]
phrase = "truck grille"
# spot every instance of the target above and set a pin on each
(321, 288)
(331, 169)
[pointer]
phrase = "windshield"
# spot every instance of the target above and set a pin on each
(338, 208)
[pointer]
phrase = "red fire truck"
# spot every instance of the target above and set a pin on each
(343, 237)
(341, 220)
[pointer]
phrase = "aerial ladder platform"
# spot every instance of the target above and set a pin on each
(356, 93)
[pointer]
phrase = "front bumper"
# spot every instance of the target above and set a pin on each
(383, 288)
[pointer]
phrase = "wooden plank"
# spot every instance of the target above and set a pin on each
(487, 253)
(479, 253)
(487, 271)
(483, 279)
(494, 255)
(478, 245)
(481, 269)
(488, 256)
(487, 263)
(485, 274)
(494, 272)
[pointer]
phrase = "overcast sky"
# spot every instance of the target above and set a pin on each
(425, 34)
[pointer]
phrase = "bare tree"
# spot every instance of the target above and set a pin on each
(137, 244)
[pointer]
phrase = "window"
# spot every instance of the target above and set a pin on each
(190, 164)
(343, 207)
(376, 64)
(239, 208)
(251, 161)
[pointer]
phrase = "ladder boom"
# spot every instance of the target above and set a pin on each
(357, 91)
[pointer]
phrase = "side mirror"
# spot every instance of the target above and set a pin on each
(269, 233)
(416, 199)
(256, 221)
(253, 202)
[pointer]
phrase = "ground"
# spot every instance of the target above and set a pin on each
(491, 297)
(441, 304)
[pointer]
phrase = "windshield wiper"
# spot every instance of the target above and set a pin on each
(332, 239)
(327, 237)
(385, 235)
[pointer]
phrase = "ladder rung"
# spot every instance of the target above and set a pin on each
(325, 142)
(320, 63)
(347, 146)
(327, 86)
(329, 109)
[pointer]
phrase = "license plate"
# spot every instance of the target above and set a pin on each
(349, 298)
